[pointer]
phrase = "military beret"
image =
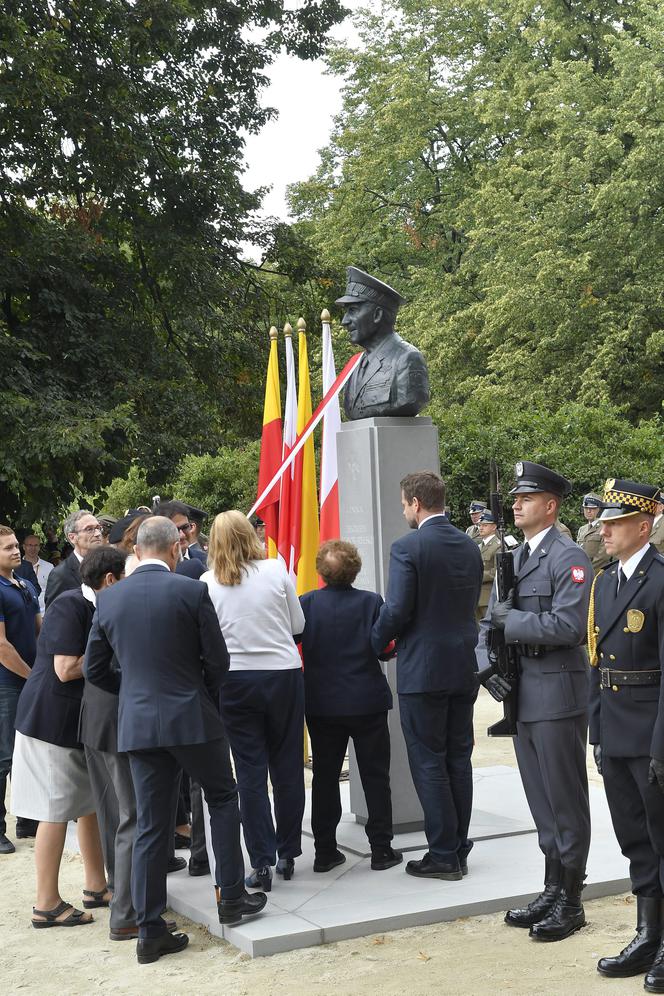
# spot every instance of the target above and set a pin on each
(534, 478)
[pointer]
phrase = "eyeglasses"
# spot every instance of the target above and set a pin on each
(185, 528)
(90, 530)
(23, 588)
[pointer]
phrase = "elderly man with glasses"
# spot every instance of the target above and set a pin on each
(83, 531)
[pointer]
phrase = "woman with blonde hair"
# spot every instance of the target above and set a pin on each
(262, 698)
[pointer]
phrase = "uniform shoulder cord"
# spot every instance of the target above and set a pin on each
(592, 635)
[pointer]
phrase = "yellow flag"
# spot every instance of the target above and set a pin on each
(307, 579)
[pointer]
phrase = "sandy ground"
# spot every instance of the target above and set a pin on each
(468, 957)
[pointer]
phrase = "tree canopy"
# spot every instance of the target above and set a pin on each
(129, 326)
(499, 162)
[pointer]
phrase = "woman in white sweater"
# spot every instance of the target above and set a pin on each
(262, 698)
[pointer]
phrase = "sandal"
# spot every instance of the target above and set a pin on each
(74, 919)
(97, 899)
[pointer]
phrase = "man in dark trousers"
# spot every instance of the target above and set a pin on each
(545, 617)
(346, 696)
(172, 657)
(626, 639)
(433, 589)
(83, 531)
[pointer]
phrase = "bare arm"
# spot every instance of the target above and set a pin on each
(68, 668)
(9, 657)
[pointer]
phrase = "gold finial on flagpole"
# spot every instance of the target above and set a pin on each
(273, 332)
(325, 315)
(288, 329)
(301, 325)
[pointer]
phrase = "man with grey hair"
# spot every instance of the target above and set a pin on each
(163, 630)
(83, 531)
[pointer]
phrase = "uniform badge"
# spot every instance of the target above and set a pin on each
(608, 486)
(635, 620)
(578, 575)
(519, 469)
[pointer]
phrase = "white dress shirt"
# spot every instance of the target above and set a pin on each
(42, 569)
(630, 565)
(434, 515)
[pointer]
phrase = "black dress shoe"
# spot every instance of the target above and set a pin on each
(326, 862)
(6, 846)
(176, 865)
(286, 868)
(197, 868)
(150, 949)
(182, 840)
(463, 865)
(427, 867)
(385, 857)
(640, 953)
(26, 828)
(231, 911)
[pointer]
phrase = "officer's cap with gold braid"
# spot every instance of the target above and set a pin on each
(361, 286)
(625, 498)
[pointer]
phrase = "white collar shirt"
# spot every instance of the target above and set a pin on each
(630, 565)
(434, 515)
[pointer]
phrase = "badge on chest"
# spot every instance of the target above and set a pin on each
(635, 620)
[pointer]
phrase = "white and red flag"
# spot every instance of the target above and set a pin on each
(329, 475)
(288, 529)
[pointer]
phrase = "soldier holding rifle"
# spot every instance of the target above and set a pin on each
(543, 620)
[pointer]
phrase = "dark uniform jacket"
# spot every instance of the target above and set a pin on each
(394, 381)
(550, 613)
(432, 593)
(629, 722)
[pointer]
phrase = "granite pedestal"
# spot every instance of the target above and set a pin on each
(374, 454)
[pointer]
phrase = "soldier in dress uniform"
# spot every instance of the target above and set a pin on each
(657, 534)
(545, 618)
(626, 642)
(489, 547)
(588, 536)
(476, 508)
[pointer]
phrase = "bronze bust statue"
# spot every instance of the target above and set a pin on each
(391, 378)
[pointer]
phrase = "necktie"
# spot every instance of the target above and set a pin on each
(525, 554)
(622, 579)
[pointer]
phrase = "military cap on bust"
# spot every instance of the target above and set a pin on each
(625, 498)
(477, 506)
(197, 514)
(591, 500)
(535, 478)
(121, 525)
(361, 286)
(487, 516)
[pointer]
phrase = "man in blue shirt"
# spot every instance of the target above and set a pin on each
(19, 626)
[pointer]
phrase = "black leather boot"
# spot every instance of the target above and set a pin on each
(640, 953)
(540, 906)
(654, 980)
(566, 915)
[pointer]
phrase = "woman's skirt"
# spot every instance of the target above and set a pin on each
(48, 782)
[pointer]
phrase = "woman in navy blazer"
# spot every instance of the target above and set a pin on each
(346, 695)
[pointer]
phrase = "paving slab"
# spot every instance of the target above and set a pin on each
(505, 869)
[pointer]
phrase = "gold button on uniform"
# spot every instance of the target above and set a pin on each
(612, 657)
(625, 629)
(614, 688)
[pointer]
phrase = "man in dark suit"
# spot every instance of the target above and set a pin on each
(188, 565)
(346, 695)
(83, 531)
(164, 632)
(626, 637)
(433, 589)
(391, 378)
(196, 517)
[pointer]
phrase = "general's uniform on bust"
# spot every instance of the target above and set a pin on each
(392, 378)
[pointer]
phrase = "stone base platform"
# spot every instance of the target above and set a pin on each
(505, 869)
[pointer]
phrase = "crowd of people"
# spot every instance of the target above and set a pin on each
(164, 652)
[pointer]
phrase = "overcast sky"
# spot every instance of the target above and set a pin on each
(306, 99)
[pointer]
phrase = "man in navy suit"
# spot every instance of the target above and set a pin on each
(165, 635)
(433, 590)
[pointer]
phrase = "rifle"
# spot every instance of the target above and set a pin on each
(503, 657)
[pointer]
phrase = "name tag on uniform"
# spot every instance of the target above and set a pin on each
(635, 620)
(578, 575)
